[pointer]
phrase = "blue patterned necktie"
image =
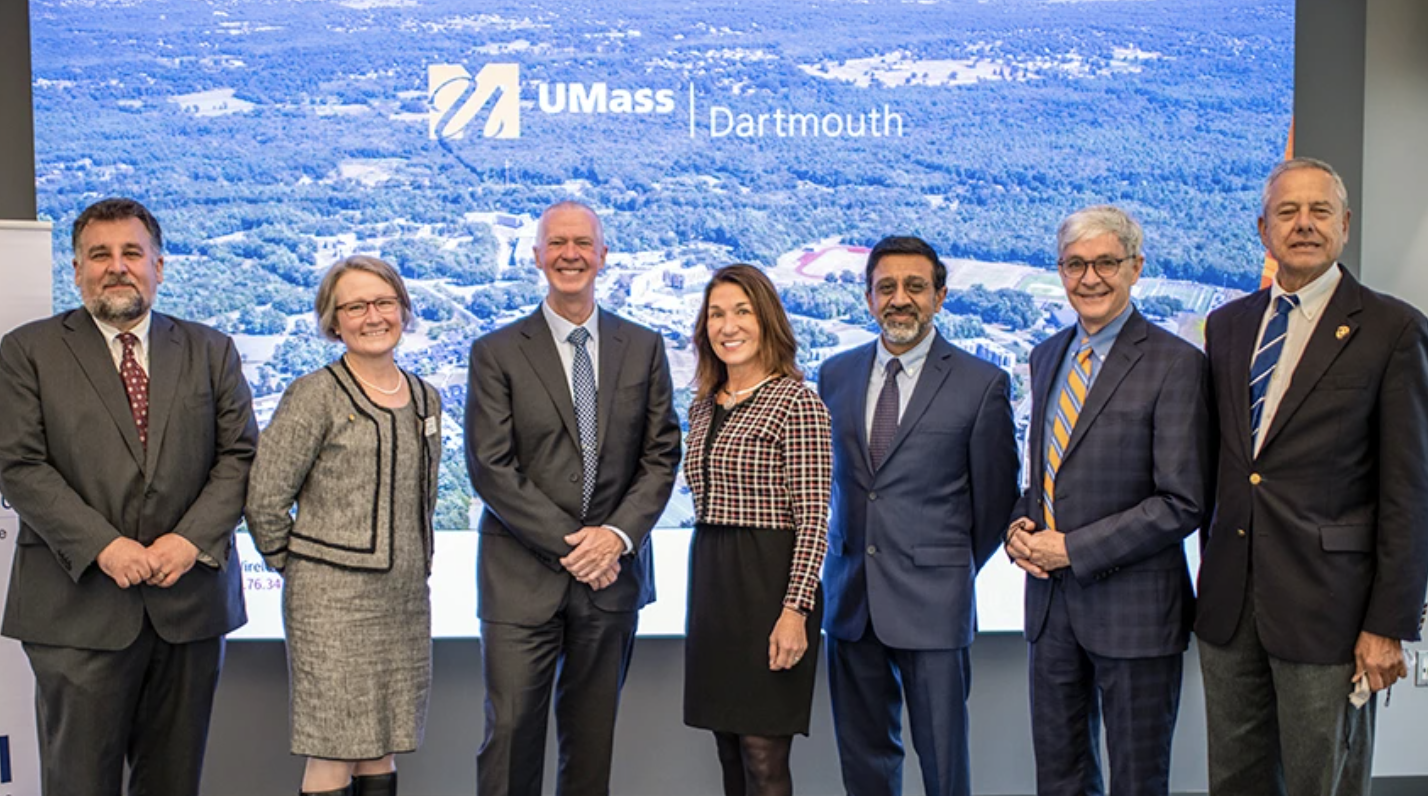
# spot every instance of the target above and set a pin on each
(583, 380)
(1266, 356)
(885, 415)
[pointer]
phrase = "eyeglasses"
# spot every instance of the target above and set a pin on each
(1106, 267)
(385, 305)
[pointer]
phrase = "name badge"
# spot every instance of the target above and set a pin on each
(432, 426)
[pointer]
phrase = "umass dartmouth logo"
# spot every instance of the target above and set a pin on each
(457, 99)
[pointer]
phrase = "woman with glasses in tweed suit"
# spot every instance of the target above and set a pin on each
(356, 445)
(760, 465)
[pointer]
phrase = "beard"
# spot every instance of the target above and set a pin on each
(902, 332)
(117, 309)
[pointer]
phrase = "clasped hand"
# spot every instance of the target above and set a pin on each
(595, 561)
(1038, 553)
(129, 563)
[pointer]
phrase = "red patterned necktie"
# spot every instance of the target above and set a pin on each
(136, 384)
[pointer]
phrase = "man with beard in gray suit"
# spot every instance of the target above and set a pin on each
(572, 444)
(125, 442)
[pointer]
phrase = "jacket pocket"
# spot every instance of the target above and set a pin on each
(941, 556)
(1346, 538)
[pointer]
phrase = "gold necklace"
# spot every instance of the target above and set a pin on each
(381, 390)
(733, 399)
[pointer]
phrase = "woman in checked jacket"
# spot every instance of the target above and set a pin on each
(760, 464)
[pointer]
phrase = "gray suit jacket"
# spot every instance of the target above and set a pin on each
(523, 454)
(72, 466)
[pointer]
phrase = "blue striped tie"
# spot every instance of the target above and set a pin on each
(1266, 356)
(583, 380)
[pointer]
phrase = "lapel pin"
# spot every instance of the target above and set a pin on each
(1341, 332)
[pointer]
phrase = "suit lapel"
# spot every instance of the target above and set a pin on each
(165, 351)
(612, 357)
(1119, 362)
(1324, 346)
(1045, 391)
(935, 369)
(860, 402)
(539, 348)
(1244, 337)
(87, 344)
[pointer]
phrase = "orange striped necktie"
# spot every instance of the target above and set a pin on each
(1068, 408)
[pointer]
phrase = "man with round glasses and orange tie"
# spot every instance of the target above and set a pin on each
(1118, 460)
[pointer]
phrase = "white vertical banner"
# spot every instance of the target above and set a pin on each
(26, 297)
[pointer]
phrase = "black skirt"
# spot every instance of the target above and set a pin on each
(737, 581)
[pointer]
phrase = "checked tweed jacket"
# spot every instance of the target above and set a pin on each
(770, 467)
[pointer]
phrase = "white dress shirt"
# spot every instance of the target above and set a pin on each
(116, 348)
(1313, 297)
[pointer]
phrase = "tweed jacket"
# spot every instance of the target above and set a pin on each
(333, 451)
(771, 467)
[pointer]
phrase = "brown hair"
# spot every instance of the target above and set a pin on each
(326, 304)
(777, 347)
(117, 209)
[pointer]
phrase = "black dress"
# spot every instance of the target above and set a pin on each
(737, 580)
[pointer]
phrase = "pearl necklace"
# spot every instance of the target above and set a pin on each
(733, 399)
(366, 383)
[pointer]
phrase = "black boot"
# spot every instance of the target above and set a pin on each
(346, 790)
(375, 785)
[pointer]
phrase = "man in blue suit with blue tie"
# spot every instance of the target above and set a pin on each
(1118, 457)
(924, 476)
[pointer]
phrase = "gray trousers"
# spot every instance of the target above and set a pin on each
(1280, 728)
(584, 652)
(147, 705)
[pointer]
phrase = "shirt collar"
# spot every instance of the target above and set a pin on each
(1105, 337)
(911, 359)
(562, 327)
(1314, 296)
(140, 330)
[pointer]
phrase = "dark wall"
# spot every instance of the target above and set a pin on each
(1329, 43)
(17, 127)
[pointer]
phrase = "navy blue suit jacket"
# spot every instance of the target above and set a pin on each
(1132, 485)
(1330, 514)
(905, 542)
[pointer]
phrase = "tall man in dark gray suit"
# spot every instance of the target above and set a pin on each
(1316, 558)
(1118, 457)
(924, 476)
(125, 441)
(572, 443)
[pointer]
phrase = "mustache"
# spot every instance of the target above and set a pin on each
(907, 309)
(119, 280)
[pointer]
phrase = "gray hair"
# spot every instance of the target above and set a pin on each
(569, 204)
(326, 304)
(1294, 164)
(1090, 222)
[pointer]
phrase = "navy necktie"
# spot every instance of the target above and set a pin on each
(885, 415)
(1266, 357)
(583, 382)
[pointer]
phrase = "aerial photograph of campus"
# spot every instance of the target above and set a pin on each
(274, 137)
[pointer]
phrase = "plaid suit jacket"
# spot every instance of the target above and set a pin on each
(1131, 486)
